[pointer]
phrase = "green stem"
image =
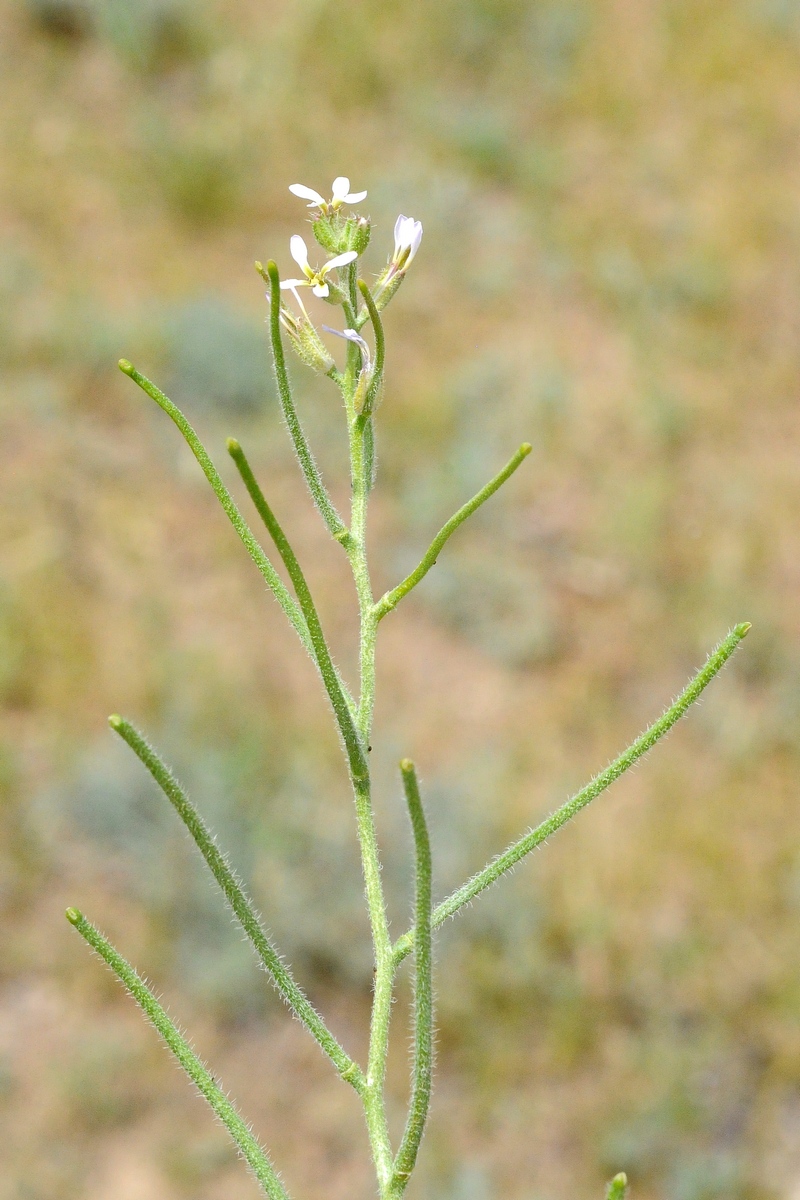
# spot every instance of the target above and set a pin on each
(256, 552)
(505, 861)
(309, 468)
(357, 552)
(235, 894)
(423, 989)
(391, 599)
(250, 1149)
(341, 701)
(372, 1094)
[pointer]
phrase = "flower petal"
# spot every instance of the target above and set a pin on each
(341, 186)
(354, 197)
(320, 289)
(299, 251)
(307, 193)
(350, 335)
(339, 261)
(407, 237)
(416, 238)
(296, 295)
(399, 231)
(294, 283)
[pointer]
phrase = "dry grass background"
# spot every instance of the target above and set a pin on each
(610, 193)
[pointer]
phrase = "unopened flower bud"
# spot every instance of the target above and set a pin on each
(407, 237)
(360, 233)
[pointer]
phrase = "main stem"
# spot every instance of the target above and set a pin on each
(373, 1092)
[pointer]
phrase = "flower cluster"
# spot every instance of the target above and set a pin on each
(349, 236)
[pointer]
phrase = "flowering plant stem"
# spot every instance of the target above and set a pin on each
(360, 385)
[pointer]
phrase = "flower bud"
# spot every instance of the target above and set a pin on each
(407, 237)
(327, 234)
(360, 233)
(337, 234)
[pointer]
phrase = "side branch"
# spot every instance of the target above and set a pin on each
(338, 694)
(268, 572)
(249, 1147)
(235, 894)
(391, 599)
(423, 988)
(510, 857)
(313, 479)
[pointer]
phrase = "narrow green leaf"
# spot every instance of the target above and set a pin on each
(236, 896)
(422, 1069)
(505, 861)
(380, 354)
(391, 599)
(254, 549)
(340, 701)
(251, 1151)
(308, 466)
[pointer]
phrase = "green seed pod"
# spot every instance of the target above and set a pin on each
(310, 348)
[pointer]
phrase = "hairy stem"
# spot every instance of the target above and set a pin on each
(202, 1078)
(505, 861)
(237, 898)
(373, 1091)
(391, 599)
(423, 988)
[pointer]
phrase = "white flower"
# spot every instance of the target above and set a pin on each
(340, 194)
(407, 237)
(313, 279)
(350, 335)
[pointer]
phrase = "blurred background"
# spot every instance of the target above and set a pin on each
(609, 190)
